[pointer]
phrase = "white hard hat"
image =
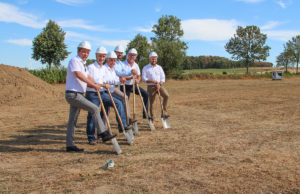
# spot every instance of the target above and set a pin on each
(111, 55)
(84, 44)
(101, 50)
(119, 48)
(153, 54)
(133, 51)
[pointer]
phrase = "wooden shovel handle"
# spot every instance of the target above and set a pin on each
(125, 103)
(137, 87)
(161, 105)
(115, 108)
(104, 112)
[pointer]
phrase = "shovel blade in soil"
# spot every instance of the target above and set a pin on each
(135, 128)
(116, 145)
(151, 125)
(129, 136)
(165, 122)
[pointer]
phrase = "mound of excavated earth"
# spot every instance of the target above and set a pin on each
(18, 85)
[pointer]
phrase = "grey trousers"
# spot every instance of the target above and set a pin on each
(77, 102)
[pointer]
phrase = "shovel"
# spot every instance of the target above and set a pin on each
(113, 140)
(128, 133)
(134, 124)
(165, 120)
(150, 123)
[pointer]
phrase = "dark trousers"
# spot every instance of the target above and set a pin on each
(129, 89)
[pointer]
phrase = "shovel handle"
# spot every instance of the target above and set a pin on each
(104, 112)
(115, 108)
(138, 89)
(133, 92)
(125, 103)
(161, 104)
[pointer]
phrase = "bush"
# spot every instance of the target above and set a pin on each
(55, 75)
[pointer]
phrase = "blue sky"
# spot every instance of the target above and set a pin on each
(207, 24)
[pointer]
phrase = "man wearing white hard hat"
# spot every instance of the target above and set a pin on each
(76, 82)
(154, 76)
(118, 97)
(121, 71)
(130, 64)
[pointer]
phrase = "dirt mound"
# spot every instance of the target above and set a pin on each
(18, 85)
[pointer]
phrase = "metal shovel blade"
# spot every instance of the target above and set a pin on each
(116, 145)
(165, 122)
(129, 136)
(135, 128)
(151, 125)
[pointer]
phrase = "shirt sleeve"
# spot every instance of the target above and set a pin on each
(138, 69)
(75, 66)
(144, 74)
(162, 75)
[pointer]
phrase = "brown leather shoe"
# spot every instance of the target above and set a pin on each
(166, 115)
(132, 121)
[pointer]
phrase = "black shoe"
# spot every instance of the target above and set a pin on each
(144, 116)
(93, 142)
(74, 149)
(105, 136)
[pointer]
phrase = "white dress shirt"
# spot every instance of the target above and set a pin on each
(155, 73)
(111, 77)
(128, 67)
(97, 72)
(72, 82)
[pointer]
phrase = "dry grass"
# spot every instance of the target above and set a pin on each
(232, 136)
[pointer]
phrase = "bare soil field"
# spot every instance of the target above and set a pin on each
(227, 136)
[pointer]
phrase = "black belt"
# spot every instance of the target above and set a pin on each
(74, 92)
(91, 92)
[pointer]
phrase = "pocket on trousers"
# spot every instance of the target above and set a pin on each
(70, 97)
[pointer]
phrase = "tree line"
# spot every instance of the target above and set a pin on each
(247, 47)
(206, 62)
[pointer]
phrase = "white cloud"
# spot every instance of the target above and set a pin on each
(157, 9)
(251, 1)
(74, 2)
(140, 29)
(270, 25)
(70, 35)
(281, 3)
(22, 42)
(115, 42)
(77, 37)
(283, 35)
(79, 23)
(208, 29)
(284, 3)
(12, 14)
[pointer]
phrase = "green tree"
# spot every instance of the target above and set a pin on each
(293, 47)
(167, 43)
(285, 58)
(248, 45)
(49, 46)
(142, 46)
